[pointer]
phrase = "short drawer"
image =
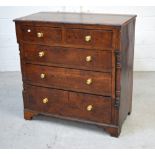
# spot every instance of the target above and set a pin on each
(91, 107)
(43, 99)
(90, 38)
(69, 79)
(68, 104)
(69, 57)
(40, 34)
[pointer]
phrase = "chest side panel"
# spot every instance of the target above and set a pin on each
(127, 57)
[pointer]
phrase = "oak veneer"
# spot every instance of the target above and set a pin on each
(77, 66)
(68, 57)
(69, 79)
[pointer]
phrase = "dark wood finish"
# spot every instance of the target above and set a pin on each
(71, 37)
(50, 35)
(68, 104)
(114, 131)
(28, 115)
(127, 54)
(34, 96)
(99, 38)
(75, 18)
(69, 79)
(68, 57)
(66, 69)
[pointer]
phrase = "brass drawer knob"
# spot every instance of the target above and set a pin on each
(45, 100)
(88, 58)
(89, 107)
(89, 81)
(88, 38)
(29, 30)
(42, 76)
(39, 34)
(41, 54)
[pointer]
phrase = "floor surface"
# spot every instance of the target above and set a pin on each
(45, 132)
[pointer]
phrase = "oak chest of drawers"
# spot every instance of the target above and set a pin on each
(77, 66)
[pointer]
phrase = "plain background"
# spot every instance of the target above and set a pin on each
(144, 40)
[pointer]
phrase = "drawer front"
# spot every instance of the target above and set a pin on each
(69, 104)
(69, 57)
(69, 79)
(42, 35)
(90, 38)
(91, 107)
(44, 100)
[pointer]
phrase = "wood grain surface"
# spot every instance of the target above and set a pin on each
(97, 91)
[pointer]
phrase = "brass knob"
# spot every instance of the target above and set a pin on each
(89, 107)
(88, 38)
(41, 54)
(45, 100)
(29, 30)
(89, 81)
(88, 58)
(42, 76)
(39, 34)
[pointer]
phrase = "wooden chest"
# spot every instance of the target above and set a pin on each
(77, 66)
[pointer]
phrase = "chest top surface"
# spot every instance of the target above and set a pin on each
(78, 18)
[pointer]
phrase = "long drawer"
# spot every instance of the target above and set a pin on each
(69, 79)
(69, 104)
(96, 60)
